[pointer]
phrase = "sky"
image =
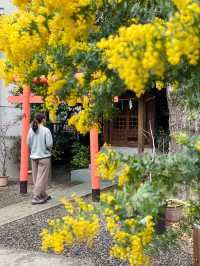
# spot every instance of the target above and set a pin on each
(7, 5)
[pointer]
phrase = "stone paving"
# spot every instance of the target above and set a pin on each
(10, 257)
(23, 209)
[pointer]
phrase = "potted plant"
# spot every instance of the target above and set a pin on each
(174, 210)
(4, 152)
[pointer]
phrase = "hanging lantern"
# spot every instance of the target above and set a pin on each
(116, 99)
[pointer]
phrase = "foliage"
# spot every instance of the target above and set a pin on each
(79, 224)
(144, 185)
(193, 212)
(162, 139)
(15, 150)
(62, 146)
(4, 148)
(164, 171)
(115, 46)
(191, 146)
(80, 156)
(82, 224)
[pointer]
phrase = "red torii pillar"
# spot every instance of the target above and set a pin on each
(26, 99)
(94, 149)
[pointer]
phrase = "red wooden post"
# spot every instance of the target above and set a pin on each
(25, 99)
(24, 146)
(94, 149)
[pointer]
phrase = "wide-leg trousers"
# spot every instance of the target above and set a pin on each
(40, 173)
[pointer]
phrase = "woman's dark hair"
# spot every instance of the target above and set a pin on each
(37, 120)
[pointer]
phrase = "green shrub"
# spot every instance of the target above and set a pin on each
(80, 156)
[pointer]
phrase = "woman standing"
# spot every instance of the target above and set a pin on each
(40, 143)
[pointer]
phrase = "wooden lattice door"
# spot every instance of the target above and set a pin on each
(124, 126)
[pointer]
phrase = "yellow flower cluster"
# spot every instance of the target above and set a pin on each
(182, 4)
(79, 225)
(181, 138)
(19, 42)
(82, 121)
(182, 33)
(140, 51)
(107, 197)
(39, 24)
(159, 85)
(146, 234)
(134, 55)
(98, 78)
(78, 46)
(197, 146)
(20, 3)
(69, 230)
(107, 163)
(81, 204)
(129, 245)
(124, 175)
(52, 102)
(137, 52)
(130, 235)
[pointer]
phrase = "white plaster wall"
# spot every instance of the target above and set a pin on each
(8, 112)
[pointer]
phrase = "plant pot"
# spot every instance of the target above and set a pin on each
(174, 213)
(3, 181)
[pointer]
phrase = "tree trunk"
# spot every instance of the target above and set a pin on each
(180, 119)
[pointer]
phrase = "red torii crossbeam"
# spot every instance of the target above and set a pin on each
(26, 99)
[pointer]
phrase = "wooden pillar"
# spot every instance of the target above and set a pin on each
(24, 146)
(94, 149)
(196, 245)
(141, 123)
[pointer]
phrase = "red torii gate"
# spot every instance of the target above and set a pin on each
(26, 99)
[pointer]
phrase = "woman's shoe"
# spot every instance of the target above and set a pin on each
(48, 197)
(37, 200)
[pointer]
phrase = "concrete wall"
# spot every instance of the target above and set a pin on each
(8, 112)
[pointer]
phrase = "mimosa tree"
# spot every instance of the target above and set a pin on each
(87, 52)
(90, 51)
(59, 40)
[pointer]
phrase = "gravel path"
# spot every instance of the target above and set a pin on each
(10, 194)
(24, 234)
